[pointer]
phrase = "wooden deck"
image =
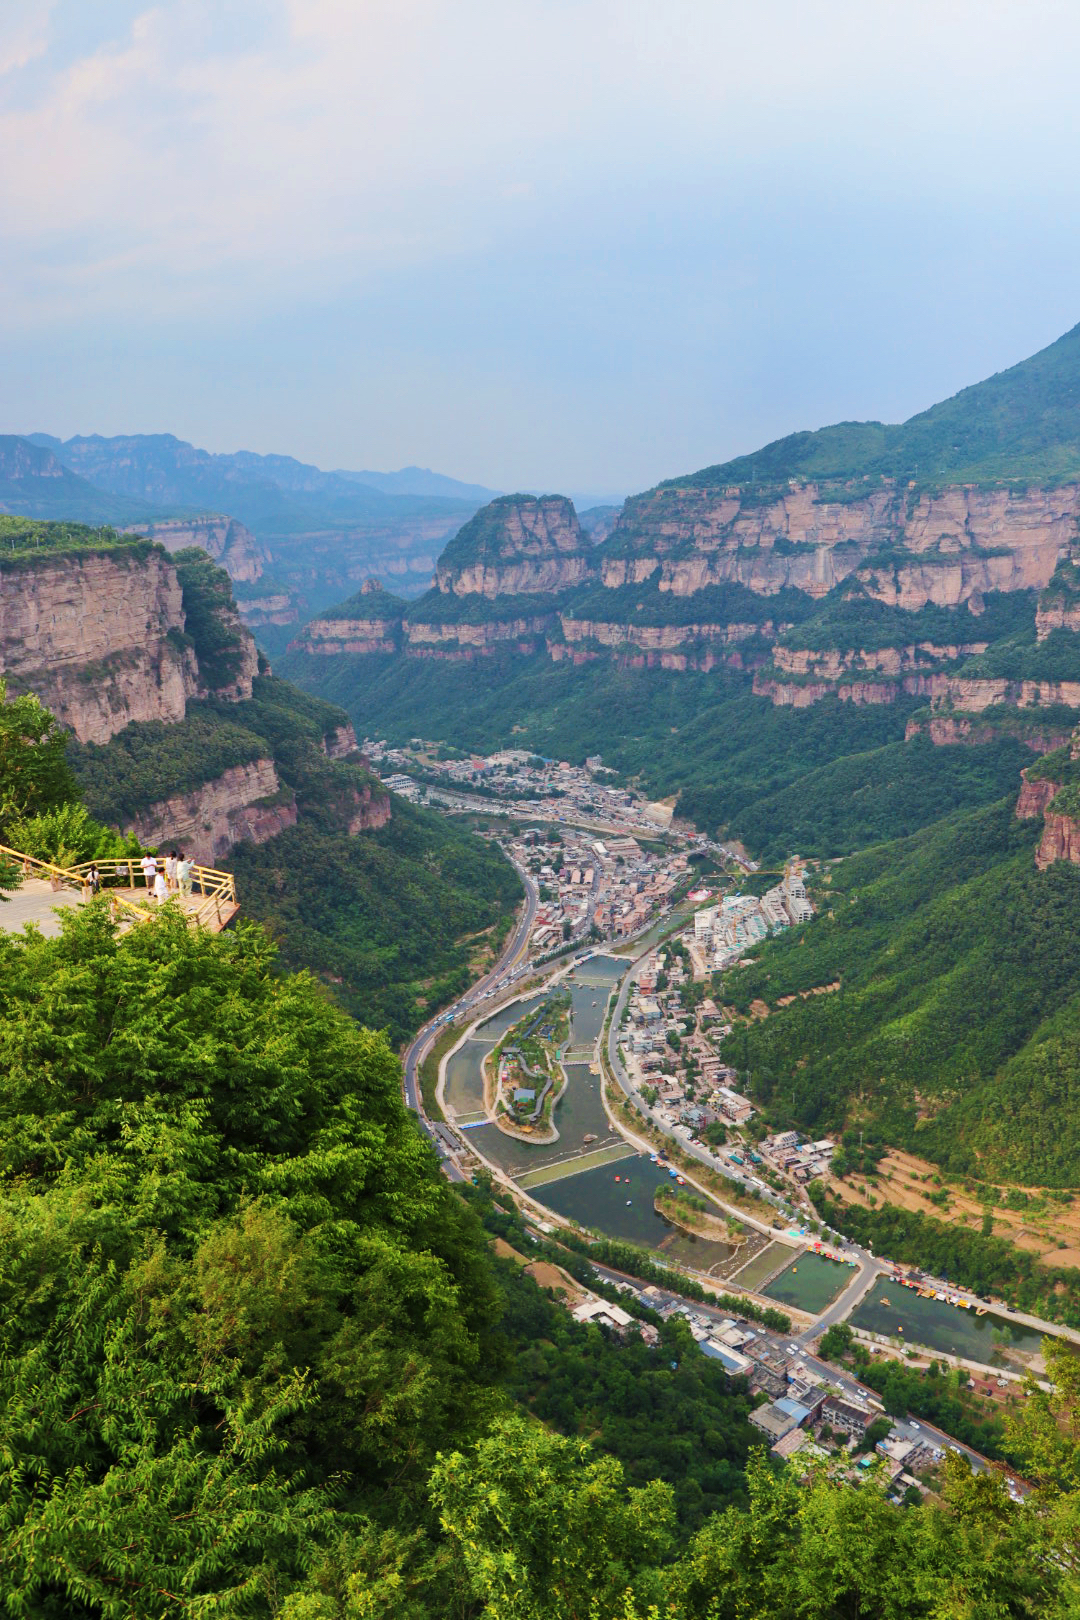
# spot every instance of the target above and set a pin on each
(45, 890)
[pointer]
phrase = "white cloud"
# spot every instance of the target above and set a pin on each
(24, 32)
(193, 160)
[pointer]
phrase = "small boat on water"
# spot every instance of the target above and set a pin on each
(629, 1201)
(980, 1310)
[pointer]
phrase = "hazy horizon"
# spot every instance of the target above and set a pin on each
(573, 245)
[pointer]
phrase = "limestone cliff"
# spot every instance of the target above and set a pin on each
(124, 632)
(276, 607)
(1060, 840)
(367, 810)
(222, 538)
(948, 730)
(527, 635)
(340, 743)
(99, 637)
(966, 693)
(245, 802)
(517, 544)
(944, 548)
(326, 637)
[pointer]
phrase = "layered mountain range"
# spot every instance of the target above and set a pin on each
(937, 560)
(291, 536)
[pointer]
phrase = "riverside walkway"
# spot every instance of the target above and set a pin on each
(46, 889)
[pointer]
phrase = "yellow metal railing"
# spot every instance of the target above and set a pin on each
(215, 889)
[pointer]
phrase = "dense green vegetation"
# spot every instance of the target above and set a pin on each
(959, 1004)
(371, 602)
(210, 618)
(1020, 425)
(389, 918)
(24, 540)
(848, 619)
(822, 781)
(150, 760)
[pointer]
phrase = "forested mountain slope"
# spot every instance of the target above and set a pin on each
(183, 738)
(958, 965)
(255, 1356)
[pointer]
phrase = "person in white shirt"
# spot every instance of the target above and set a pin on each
(161, 893)
(170, 871)
(149, 867)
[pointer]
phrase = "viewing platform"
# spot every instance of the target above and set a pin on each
(45, 889)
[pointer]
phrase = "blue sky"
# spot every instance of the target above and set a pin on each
(562, 244)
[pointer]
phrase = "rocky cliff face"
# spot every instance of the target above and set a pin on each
(1060, 841)
(1034, 797)
(527, 634)
(831, 663)
(515, 545)
(99, 638)
(368, 810)
(340, 743)
(245, 802)
(222, 538)
(103, 637)
(325, 637)
(948, 730)
(946, 548)
(277, 607)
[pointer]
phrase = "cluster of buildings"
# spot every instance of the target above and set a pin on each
(724, 930)
(791, 1154)
(592, 887)
(514, 782)
(672, 1049)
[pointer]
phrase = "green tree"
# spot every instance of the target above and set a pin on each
(34, 774)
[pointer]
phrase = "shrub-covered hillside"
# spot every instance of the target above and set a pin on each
(254, 1353)
(956, 1020)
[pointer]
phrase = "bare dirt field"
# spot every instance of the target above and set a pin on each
(1045, 1226)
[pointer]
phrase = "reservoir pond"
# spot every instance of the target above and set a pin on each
(900, 1313)
(623, 1209)
(810, 1283)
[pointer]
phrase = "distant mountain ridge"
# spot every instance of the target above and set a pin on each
(1021, 423)
(271, 493)
(316, 535)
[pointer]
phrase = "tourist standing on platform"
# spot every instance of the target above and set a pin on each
(183, 873)
(170, 872)
(149, 868)
(161, 892)
(93, 880)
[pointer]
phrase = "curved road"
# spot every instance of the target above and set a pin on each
(418, 1047)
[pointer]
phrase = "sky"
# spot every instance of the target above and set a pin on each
(575, 245)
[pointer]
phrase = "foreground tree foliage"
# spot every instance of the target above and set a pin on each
(254, 1359)
(236, 1302)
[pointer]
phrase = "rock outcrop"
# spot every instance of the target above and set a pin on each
(368, 810)
(277, 607)
(245, 802)
(1060, 840)
(517, 544)
(946, 548)
(948, 730)
(340, 743)
(99, 637)
(222, 538)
